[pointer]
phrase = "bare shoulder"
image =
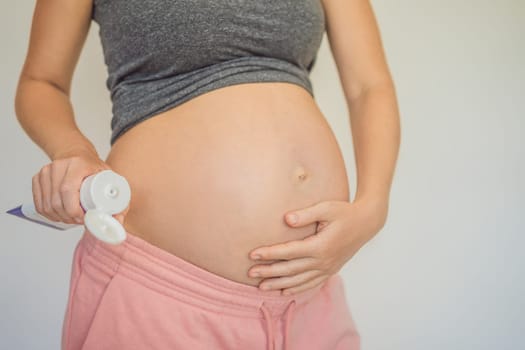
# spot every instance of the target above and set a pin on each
(58, 32)
(356, 45)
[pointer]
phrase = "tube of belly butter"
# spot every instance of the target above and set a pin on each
(101, 195)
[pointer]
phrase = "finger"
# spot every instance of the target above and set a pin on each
(286, 251)
(45, 185)
(70, 192)
(282, 268)
(321, 211)
(288, 281)
(37, 193)
(307, 285)
(57, 174)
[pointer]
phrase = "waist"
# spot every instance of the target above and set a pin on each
(170, 275)
(212, 178)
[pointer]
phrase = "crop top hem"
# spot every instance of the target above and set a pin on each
(250, 69)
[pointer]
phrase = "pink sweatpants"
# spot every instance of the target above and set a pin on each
(139, 296)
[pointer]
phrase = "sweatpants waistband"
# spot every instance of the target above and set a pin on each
(173, 276)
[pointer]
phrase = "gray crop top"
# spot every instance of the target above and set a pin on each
(161, 53)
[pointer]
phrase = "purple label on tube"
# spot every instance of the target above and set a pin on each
(18, 212)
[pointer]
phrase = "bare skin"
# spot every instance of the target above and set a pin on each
(211, 179)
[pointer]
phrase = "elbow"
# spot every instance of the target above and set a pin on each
(19, 98)
(383, 85)
(22, 94)
(30, 89)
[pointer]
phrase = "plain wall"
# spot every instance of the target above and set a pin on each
(446, 272)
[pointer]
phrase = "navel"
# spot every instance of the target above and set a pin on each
(300, 174)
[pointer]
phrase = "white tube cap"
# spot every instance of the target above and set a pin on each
(104, 226)
(107, 191)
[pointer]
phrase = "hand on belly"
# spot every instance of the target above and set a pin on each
(342, 229)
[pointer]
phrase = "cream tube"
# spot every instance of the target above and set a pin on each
(101, 195)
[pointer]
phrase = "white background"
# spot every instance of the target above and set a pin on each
(446, 272)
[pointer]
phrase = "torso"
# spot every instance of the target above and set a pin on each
(212, 178)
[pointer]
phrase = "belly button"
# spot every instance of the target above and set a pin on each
(300, 173)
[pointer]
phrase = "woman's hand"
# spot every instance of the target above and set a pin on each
(56, 187)
(343, 228)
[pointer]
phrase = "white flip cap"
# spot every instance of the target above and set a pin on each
(104, 226)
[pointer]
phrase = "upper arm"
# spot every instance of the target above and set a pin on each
(356, 46)
(58, 32)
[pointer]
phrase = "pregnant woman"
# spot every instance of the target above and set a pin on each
(216, 129)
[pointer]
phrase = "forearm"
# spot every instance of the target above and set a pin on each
(375, 125)
(46, 115)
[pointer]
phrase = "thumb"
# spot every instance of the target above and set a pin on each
(305, 216)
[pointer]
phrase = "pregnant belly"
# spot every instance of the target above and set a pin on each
(212, 179)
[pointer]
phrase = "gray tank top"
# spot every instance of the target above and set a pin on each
(161, 53)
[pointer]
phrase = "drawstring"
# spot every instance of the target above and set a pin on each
(287, 322)
(269, 326)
